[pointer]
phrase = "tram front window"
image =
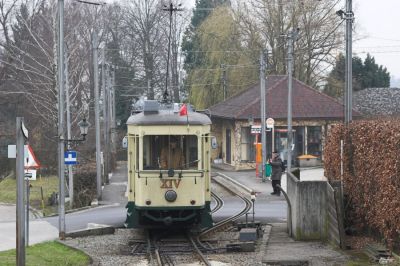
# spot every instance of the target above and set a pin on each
(170, 151)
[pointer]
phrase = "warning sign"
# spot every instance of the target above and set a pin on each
(30, 160)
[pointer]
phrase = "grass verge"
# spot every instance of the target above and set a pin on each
(46, 184)
(47, 254)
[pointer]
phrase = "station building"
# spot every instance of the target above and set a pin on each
(235, 122)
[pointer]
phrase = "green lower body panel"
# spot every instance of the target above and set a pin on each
(175, 216)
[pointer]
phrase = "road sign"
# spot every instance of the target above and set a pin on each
(30, 175)
(70, 157)
(255, 129)
(270, 122)
(30, 160)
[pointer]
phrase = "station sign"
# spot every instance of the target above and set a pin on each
(255, 129)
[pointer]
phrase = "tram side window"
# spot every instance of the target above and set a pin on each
(170, 151)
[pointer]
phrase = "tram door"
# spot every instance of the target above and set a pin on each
(228, 146)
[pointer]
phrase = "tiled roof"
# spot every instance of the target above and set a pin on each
(377, 101)
(307, 102)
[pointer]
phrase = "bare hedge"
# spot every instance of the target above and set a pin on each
(371, 173)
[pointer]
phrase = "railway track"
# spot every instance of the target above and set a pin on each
(162, 250)
(219, 202)
(246, 209)
(167, 248)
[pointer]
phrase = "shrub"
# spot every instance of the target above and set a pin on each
(371, 173)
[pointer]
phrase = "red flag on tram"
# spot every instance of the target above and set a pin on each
(183, 110)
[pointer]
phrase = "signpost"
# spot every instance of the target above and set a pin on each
(70, 157)
(271, 125)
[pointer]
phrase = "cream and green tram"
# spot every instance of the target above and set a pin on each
(168, 168)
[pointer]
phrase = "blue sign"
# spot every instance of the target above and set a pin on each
(70, 157)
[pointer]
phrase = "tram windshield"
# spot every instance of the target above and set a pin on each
(170, 151)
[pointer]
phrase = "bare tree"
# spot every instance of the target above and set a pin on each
(266, 22)
(145, 25)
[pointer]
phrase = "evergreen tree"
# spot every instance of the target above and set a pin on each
(365, 75)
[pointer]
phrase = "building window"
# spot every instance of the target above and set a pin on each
(247, 149)
(314, 145)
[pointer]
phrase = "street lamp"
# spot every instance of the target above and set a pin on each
(83, 126)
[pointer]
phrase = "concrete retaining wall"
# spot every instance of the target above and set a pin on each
(308, 208)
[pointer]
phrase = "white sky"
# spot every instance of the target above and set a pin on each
(377, 23)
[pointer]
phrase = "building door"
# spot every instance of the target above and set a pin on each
(228, 146)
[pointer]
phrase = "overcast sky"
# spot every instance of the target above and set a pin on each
(378, 22)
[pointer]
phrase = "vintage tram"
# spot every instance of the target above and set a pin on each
(168, 167)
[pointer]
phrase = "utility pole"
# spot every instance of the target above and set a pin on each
(61, 166)
(292, 36)
(96, 111)
(349, 16)
(223, 66)
(70, 174)
(104, 82)
(263, 111)
(113, 117)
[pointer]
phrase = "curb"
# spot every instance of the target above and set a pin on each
(83, 209)
(92, 261)
(235, 182)
(107, 230)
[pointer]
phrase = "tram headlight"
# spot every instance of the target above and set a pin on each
(170, 196)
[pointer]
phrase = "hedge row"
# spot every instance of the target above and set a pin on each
(371, 173)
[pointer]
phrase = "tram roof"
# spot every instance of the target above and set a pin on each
(168, 117)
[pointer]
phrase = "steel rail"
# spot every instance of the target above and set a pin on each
(246, 209)
(198, 251)
(219, 202)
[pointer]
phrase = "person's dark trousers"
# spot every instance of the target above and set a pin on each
(275, 188)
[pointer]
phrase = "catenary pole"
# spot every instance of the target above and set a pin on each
(114, 123)
(223, 66)
(104, 88)
(68, 105)
(108, 121)
(291, 38)
(349, 68)
(97, 112)
(263, 110)
(61, 209)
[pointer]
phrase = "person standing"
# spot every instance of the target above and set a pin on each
(276, 164)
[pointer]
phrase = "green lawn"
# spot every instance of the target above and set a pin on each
(48, 253)
(48, 184)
